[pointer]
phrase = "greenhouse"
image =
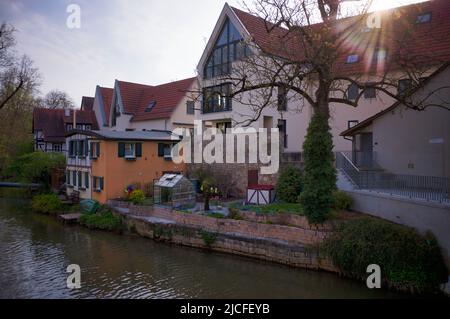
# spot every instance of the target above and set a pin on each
(174, 190)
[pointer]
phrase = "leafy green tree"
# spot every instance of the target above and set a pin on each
(319, 173)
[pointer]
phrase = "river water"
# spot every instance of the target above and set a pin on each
(35, 251)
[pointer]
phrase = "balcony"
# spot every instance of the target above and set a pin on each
(207, 109)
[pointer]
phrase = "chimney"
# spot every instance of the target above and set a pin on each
(74, 119)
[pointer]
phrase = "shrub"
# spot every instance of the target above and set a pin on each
(137, 196)
(208, 238)
(47, 204)
(36, 167)
(319, 176)
(234, 213)
(104, 220)
(341, 200)
(408, 260)
(289, 184)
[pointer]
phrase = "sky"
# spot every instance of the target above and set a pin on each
(144, 41)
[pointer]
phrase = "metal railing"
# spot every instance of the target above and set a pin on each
(431, 188)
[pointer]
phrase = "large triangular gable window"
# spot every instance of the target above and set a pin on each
(229, 47)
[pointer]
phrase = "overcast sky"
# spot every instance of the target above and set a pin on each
(144, 41)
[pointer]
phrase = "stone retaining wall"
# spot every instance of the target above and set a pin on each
(304, 236)
(295, 255)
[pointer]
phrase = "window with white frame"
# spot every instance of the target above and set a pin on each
(130, 150)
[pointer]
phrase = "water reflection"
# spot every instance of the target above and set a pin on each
(36, 249)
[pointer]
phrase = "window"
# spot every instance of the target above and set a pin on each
(352, 58)
(150, 106)
(352, 92)
(379, 55)
(404, 87)
(74, 178)
(80, 179)
(282, 98)
(57, 148)
(282, 126)
(79, 126)
(423, 18)
(370, 92)
(165, 150)
(223, 126)
(88, 127)
(68, 178)
(352, 124)
(69, 127)
(217, 98)
(116, 111)
(228, 48)
(95, 150)
(190, 107)
(97, 183)
(129, 150)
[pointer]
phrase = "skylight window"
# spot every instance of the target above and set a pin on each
(352, 58)
(150, 106)
(423, 18)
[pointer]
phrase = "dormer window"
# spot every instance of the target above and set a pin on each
(150, 106)
(352, 58)
(423, 18)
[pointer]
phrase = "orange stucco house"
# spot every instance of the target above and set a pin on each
(120, 159)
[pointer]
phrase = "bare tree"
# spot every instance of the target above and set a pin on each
(57, 99)
(16, 74)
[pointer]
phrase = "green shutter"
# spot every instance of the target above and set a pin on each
(70, 148)
(80, 184)
(86, 179)
(97, 145)
(121, 149)
(74, 178)
(86, 147)
(161, 149)
(138, 149)
(101, 183)
(94, 182)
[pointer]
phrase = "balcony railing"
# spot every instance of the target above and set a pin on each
(431, 188)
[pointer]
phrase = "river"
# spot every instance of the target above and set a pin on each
(35, 251)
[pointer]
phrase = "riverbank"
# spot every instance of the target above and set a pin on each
(289, 245)
(36, 250)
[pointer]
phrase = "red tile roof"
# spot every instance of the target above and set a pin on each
(87, 103)
(137, 97)
(429, 43)
(52, 122)
(107, 95)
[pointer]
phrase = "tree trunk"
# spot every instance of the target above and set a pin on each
(206, 202)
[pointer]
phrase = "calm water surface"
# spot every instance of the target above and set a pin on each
(35, 251)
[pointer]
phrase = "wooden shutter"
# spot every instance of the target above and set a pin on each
(80, 184)
(86, 179)
(70, 148)
(86, 147)
(121, 150)
(94, 182)
(161, 149)
(101, 183)
(97, 145)
(138, 149)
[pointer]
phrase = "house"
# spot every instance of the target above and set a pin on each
(123, 158)
(102, 105)
(399, 167)
(78, 163)
(138, 107)
(230, 41)
(51, 125)
(403, 141)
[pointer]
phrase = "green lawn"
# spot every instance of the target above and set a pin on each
(281, 208)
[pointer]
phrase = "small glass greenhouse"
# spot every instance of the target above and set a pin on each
(174, 190)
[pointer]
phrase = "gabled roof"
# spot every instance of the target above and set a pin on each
(352, 131)
(107, 96)
(396, 35)
(52, 122)
(87, 103)
(166, 97)
(151, 135)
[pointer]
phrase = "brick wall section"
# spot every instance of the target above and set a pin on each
(306, 235)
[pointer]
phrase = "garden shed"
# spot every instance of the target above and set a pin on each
(174, 190)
